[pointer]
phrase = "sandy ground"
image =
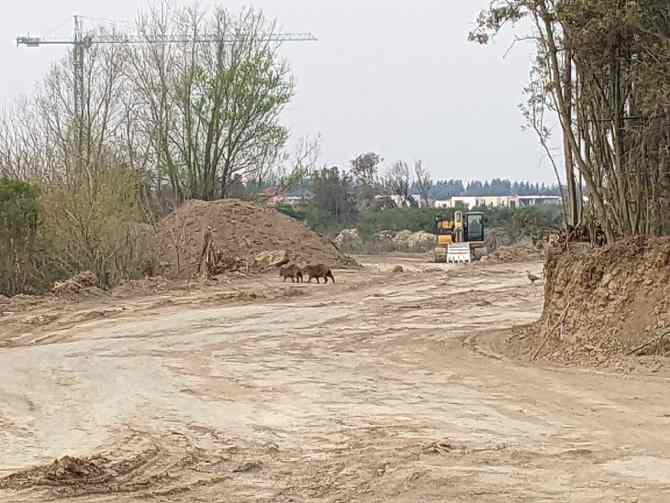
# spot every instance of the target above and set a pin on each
(379, 388)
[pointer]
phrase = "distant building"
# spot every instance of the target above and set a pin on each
(524, 201)
(420, 202)
(413, 200)
(298, 200)
(470, 202)
(295, 198)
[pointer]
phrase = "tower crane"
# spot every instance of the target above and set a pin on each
(81, 42)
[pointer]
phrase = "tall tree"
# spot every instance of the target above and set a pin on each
(424, 183)
(604, 66)
(333, 197)
(211, 110)
(365, 168)
(398, 181)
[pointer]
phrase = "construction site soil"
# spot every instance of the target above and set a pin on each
(241, 230)
(388, 385)
(517, 252)
(605, 303)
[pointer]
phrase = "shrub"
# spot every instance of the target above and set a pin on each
(518, 223)
(290, 211)
(96, 224)
(398, 219)
(19, 217)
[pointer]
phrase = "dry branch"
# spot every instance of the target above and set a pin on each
(657, 338)
(548, 334)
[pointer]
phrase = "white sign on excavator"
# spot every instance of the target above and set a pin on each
(459, 253)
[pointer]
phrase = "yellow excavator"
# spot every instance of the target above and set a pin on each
(461, 239)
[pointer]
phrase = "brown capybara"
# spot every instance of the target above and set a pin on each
(291, 271)
(318, 271)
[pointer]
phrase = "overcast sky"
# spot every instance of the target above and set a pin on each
(394, 77)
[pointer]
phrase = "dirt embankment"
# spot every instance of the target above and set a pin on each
(502, 246)
(241, 231)
(518, 252)
(605, 303)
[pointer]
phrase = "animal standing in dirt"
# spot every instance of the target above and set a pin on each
(318, 271)
(532, 278)
(291, 271)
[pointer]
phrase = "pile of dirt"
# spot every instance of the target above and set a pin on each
(415, 242)
(63, 472)
(522, 251)
(497, 237)
(241, 232)
(84, 282)
(606, 302)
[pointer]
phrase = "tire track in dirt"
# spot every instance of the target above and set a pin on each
(361, 391)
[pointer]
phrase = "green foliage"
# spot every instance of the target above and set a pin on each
(290, 211)
(397, 219)
(525, 222)
(517, 222)
(365, 168)
(603, 67)
(91, 222)
(321, 221)
(333, 205)
(221, 104)
(19, 216)
(18, 208)
(97, 226)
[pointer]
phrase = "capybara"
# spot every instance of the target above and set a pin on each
(291, 271)
(318, 271)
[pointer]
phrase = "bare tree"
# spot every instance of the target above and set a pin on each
(291, 169)
(398, 181)
(424, 183)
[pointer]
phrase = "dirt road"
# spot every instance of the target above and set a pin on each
(370, 390)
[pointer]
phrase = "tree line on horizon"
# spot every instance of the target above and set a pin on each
(444, 189)
(368, 175)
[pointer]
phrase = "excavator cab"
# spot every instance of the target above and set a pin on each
(474, 227)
